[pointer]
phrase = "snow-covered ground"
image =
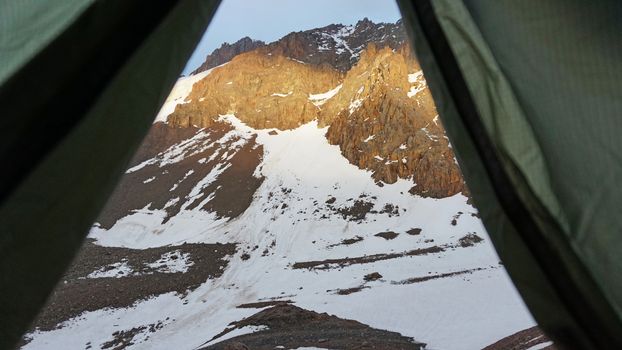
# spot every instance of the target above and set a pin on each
(301, 169)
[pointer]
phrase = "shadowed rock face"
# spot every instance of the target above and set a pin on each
(336, 45)
(156, 181)
(79, 293)
(291, 327)
(227, 51)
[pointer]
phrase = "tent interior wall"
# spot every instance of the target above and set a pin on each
(529, 93)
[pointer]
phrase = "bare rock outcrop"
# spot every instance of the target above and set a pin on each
(336, 45)
(227, 51)
(262, 90)
(380, 113)
(384, 120)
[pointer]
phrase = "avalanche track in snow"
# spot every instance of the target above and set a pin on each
(319, 234)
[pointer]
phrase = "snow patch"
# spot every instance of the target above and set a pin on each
(419, 81)
(116, 270)
(320, 99)
(172, 262)
(369, 138)
(282, 95)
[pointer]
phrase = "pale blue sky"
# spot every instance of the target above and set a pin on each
(269, 20)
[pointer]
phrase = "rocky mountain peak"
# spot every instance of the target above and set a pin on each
(335, 45)
(227, 51)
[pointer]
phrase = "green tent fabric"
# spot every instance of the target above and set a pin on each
(530, 93)
(75, 105)
(26, 27)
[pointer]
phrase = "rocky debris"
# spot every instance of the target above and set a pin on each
(437, 276)
(232, 192)
(227, 51)
(338, 263)
(414, 231)
(469, 240)
(161, 137)
(348, 241)
(236, 346)
(343, 262)
(290, 327)
(347, 291)
(69, 298)
(122, 339)
(390, 209)
(388, 235)
(454, 220)
(262, 304)
(357, 212)
(530, 338)
(372, 277)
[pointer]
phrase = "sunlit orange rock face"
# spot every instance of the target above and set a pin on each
(387, 124)
(263, 90)
(380, 112)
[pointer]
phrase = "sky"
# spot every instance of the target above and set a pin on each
(269, 20)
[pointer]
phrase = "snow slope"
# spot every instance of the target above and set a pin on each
(464, 311)
(178, 94)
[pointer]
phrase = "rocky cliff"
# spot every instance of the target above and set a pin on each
(338, 46)
(384, 120)
(263, 90)
(379, 112)
(227, 51)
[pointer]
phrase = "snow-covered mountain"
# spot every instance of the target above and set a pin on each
(275, 188)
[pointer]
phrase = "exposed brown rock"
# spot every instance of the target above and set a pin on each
(264, 91)
(76, 293)
(388, 235)
(262, 304)
(372, 276)
(469, 240)
(438, 276)
(414, 231)
(380, 128)
(382, 121)
(290, 327)
(348, 241)
(339, 263)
